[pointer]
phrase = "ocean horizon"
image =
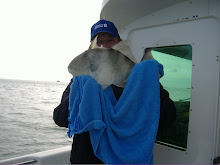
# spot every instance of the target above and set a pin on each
(26, 117)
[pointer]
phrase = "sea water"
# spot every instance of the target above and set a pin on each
(26, 117)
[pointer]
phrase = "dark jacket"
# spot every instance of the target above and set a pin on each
(82, 151)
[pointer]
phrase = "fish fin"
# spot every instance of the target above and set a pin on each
(124, 48)
(147, 55)
(93, 44)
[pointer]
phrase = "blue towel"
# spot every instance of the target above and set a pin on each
(121, 132)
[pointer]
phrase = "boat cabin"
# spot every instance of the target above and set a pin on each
(184, 36)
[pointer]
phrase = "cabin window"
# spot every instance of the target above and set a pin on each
(177, 62)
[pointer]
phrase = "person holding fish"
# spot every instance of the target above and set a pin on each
(104, 34)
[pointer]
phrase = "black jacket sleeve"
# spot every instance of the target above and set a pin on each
(60, 114)
(167, 109)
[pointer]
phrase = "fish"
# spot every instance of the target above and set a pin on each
(147, 55)
(123, 47)
(106, 66)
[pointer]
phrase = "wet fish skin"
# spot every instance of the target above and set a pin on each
(106, 66)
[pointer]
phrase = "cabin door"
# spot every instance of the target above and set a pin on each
(189, 52)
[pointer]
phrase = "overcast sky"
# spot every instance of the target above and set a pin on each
(39, 38)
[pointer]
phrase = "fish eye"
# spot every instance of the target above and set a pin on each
(93, 66)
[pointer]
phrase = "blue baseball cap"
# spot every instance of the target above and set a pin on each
(104, 26)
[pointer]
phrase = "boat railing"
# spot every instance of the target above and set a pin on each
(54, 156)
(27, 162)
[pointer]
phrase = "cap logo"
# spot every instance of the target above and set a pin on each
(101, 25)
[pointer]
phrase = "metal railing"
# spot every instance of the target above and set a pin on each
(27, 162)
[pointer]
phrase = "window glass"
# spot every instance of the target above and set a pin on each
(177, 62)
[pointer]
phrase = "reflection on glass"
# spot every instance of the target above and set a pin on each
(177, 62)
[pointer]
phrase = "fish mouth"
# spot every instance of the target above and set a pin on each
(72, 71)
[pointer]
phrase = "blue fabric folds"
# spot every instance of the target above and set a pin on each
(121, 132)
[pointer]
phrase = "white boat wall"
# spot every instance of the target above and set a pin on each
(184, 36)
(55, 156)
